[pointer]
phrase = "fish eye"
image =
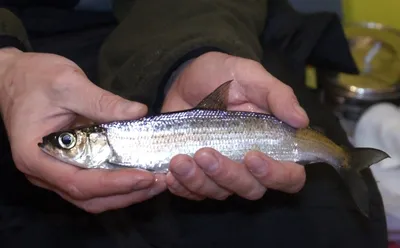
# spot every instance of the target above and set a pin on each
(67, 140)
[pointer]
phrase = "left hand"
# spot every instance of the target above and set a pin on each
(209, 174)
(51, 93)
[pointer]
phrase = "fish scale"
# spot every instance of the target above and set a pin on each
(150, 143)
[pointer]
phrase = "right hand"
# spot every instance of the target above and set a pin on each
(209, 174)
(43, 93)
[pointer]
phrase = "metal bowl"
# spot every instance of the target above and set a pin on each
(376, 51)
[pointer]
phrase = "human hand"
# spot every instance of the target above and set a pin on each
(43, 93)
(209, 174)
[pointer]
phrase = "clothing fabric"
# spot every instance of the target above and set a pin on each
(134, 53)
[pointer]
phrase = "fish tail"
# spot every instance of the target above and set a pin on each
(360, 159)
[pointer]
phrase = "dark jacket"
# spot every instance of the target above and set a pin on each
(165, 39)
(150, 39)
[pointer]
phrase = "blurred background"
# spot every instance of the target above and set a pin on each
(368, 104)
(355, 10)
(370, 10)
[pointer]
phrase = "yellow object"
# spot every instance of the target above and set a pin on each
(382, 11)
(311, 77)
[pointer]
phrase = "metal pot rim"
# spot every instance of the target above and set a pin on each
(383, 93)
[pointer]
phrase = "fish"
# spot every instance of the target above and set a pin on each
(149, 143)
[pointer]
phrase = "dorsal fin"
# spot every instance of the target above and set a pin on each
(217, 99)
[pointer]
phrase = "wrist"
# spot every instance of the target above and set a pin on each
(9, 51)
(175, 75)
(7, 58)
(185, 61)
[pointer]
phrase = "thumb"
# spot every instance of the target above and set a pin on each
(265, 90)
(99, 105)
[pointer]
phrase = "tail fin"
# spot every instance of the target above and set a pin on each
(360, 159)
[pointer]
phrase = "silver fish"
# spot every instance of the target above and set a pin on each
(149, 143)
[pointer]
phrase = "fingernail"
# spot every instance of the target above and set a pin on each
(257, 166)
(157, 189)
(142, 184)
(183, 168)
(208, 162)
(299, 110)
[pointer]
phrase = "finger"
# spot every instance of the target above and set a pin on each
(228, 174)
(85, 98)
(187, 173)
(81, 121)
(178, 189)
(284, 176)
(284, 105)
(281, 102)
(249, 107)
(265, 90)
(39, 183)
(102, 204)
(83, 184)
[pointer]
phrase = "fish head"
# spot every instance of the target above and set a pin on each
(85, 148)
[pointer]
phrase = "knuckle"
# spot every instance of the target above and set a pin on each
(256, 193)
(268, 176)
(176, 187)
(283, 181)
(61, 75)
(184, 194)
(105, 102)
(22, 167)
(197, 184)
(275, 176)
(34, 181)
(74, 192)
(60, 83)
(287, 89)
(92, 207)
(287, 176)
(294, 189)
(198, 198)
(222, 196)
(226, 175)
(177, 192)
(254, 64)
(298, 180)
(63, 79)
(228, 178)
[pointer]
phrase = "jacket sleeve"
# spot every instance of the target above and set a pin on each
(154, 37)
(12, 31)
